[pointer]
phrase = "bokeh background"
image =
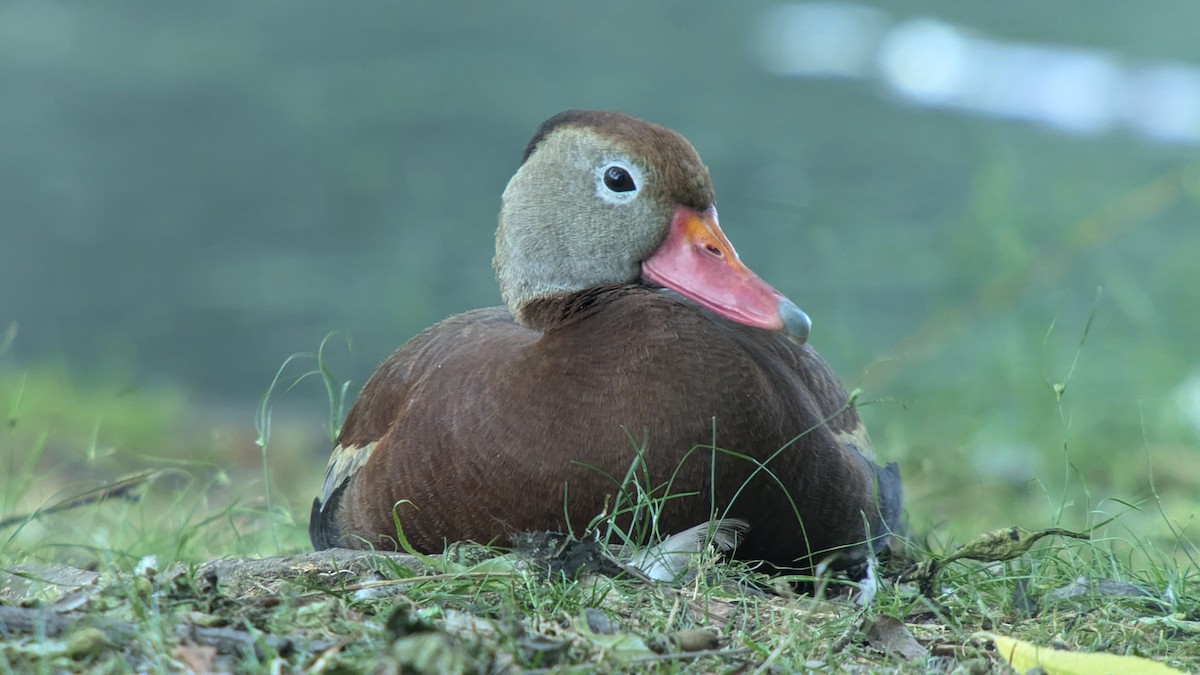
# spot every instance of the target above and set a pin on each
(990, 210)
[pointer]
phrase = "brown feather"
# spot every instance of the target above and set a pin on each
(482, 424)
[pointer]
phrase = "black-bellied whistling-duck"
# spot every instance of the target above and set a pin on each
(630, 326)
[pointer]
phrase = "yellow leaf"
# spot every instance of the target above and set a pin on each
(1024, 656)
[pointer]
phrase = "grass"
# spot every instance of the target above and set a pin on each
(125, 582)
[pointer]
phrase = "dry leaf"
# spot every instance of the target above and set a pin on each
(890, 635)
(196, 658)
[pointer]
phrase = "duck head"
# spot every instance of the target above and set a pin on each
(602, 198)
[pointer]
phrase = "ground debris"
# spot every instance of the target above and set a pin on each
(598, 622)
(1104, 588)
(41, 621)
(197, 658)
(330, 569)
(24, 582)
(996, 546)
(86, 634)
(694, 639)
(557, 553)
(488, 614)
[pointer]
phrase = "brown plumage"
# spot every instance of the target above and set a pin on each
(501, 420)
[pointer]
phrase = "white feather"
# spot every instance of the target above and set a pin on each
(670, 558)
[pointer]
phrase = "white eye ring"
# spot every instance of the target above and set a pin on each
(618, 182)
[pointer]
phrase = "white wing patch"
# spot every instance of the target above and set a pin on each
(344, 463)
(858, 439)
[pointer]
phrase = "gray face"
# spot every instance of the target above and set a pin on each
(589, 204)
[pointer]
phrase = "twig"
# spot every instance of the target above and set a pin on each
(673, 656)
(122, 488)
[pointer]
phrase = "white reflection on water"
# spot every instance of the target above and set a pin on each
(937, 64)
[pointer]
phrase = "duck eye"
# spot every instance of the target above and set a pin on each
(618, 179)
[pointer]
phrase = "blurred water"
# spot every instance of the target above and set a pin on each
(195, 191)
(937, 64)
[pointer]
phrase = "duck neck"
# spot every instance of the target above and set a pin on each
(549, 312)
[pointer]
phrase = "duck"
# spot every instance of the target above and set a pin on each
(633, 342)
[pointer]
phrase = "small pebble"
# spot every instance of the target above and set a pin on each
(694, 639)
(598, 622)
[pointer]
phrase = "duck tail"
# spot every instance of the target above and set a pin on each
(323, 529)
